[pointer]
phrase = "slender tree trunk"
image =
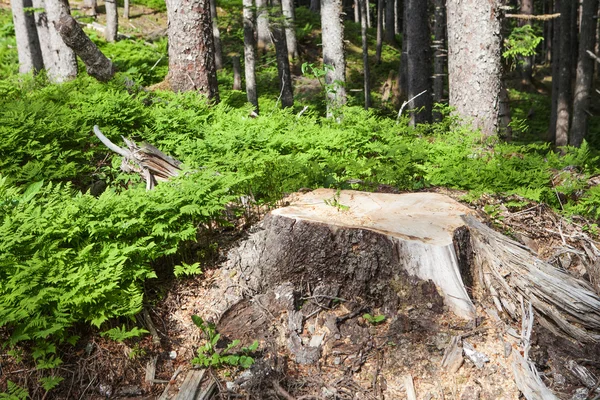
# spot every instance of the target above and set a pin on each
(250, 54)
(389, 21)
(237, 76)
(96, 63)
(112, 21)
(380, 8)
(357, 8)
(585, 72)
(555, 73)
(262, 25)
(563, 105)
(548, 29)
(191, 48)
(28, 44)
(290, 30)
(398, 11)
(369, 15)
(59, 60)
(474, 62)
(526, 68)
(419, 61)
(315, 6)
(216, 35)
(365, 50)
(439, 63)
(597, 46)
(126, 9)
(283, 62)
(403, 70)
(333, 54)
(91, 5)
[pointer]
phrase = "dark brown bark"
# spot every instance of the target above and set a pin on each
(365, 51)
(28, 44)
(216, 35)
(564, 95)
(96, 63)
(439, 63)
(380, 13)
(419, 60)
(112, 21)
(333, 53)
(474, 62)
(585, 72)
(281, 50)
(237, 75)
(250, 54)
(390, 30)
(191, 48)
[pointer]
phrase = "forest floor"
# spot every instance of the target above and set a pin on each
(370, 361)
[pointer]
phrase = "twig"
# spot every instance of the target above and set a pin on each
(150, 326)
(410, 387)
(156, 63)
(87, 387)
(302, 112)
(595, 57)
(281, 391)
(406, 103)
(106, 141)
(543, 17)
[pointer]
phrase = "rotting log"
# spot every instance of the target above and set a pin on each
(152, 164)
(96, 63)
(376, 247)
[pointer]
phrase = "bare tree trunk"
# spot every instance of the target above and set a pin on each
(191, 48)
(563, 105)
(398, 13)
(126, 9)
(216, 35)
(112, 21)
(333, 54)
(369, 25)
(389, 21)
(249, 54)
(28, 44)
(474, 62)
(237, 75)
(548, 29)
(597, 46)
(262, 25)
(585, 72)
(59, 60)
(315, 6)
(403, 70)
(419, 61)
(526, 68)
(439, 63)
(91, 5)
(283, 62)
(380, 8)
(96, 63)
(365, 51)
(357, 8)
(290, 30)
(555, 73)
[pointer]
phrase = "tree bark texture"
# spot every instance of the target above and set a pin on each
(555, 72)
(263, 34)
(59, 60)
(191, 48)
(281, 50)
(526, 68)
(356, 6)
(250, 54)
(419, 60)
(315, 6)
(290, 28)
(112, 21)
(380, 14)
(365, 51)
(439, 63)
(216, 35)
(91, 6)
(28, 44)
(96, 63)
(126, 9)
(333, 53)
(237, 75)
(585, 72)
(564, 95)
(474, 62)
(390, 16)
(403, 69)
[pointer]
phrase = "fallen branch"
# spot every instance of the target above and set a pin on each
(530, 17)
(595, 57)
(406, 103)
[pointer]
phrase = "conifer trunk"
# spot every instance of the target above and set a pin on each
(474, 61)
(356, 6)
(419, 61)
(281, 50)
(365, 51)
(91, 6)
(191, 48)
(28, 44)
(439, 63)
(262, 25)
(216, 35)
(380, 7)
(290, 28)
(526, 68)
(126, 9)
(250, 54)
(112, 21)
(315, 6)
(333, 53)
(237, 76)
(390, 30)
(555, 72)
(563, 103)
(585, 72)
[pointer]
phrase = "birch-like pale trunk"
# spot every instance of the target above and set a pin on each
(28, 44)
(250, 54)
(333, 54)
